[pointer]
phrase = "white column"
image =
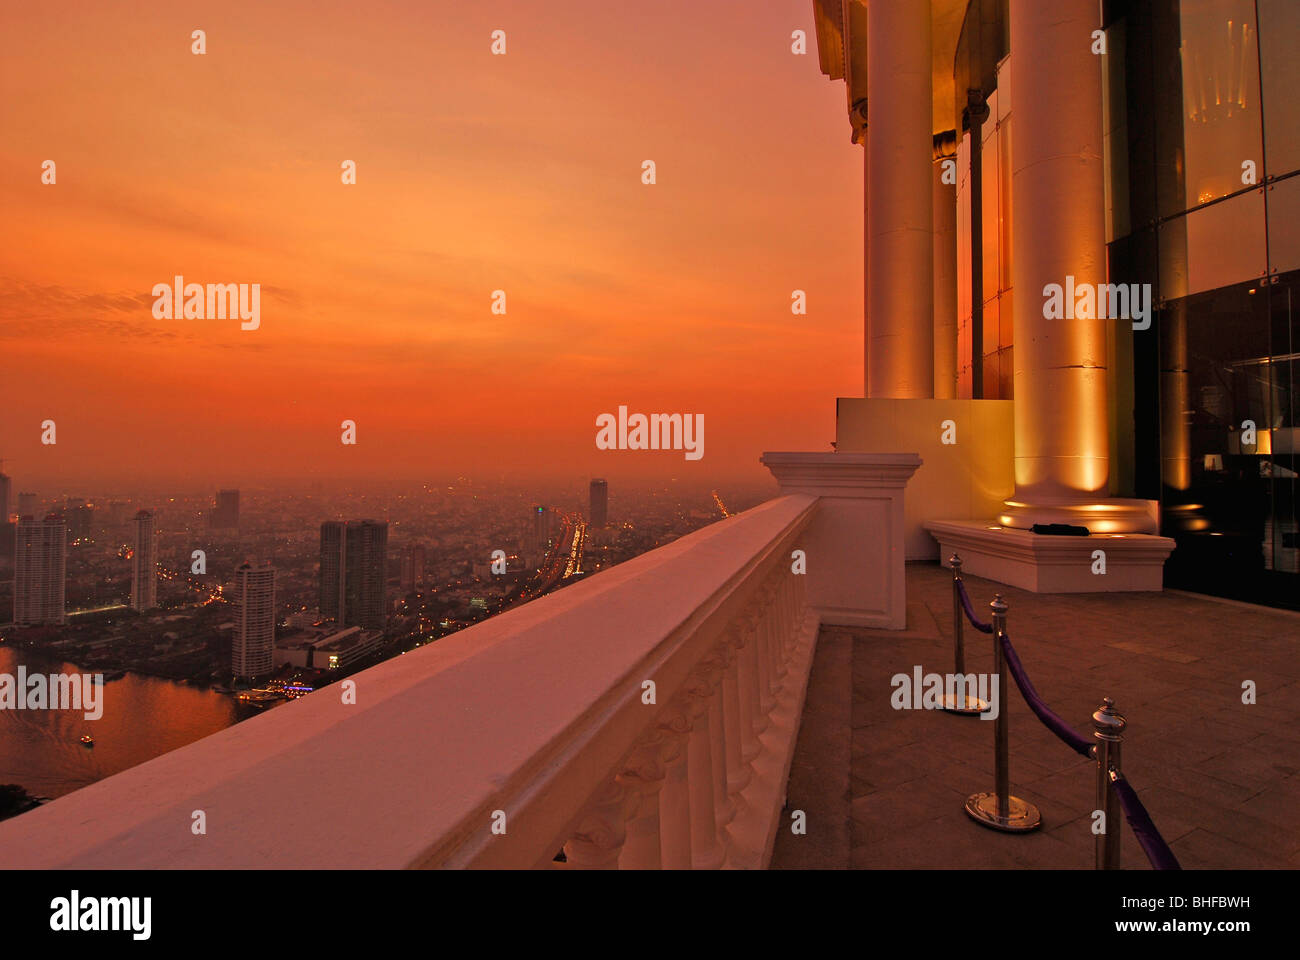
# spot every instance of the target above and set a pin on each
(900, 312)
(1062, 445)
(945, 272)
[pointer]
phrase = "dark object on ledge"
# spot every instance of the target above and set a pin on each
(1060, 529)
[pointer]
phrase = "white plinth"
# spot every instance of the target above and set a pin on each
(1052, 564)
(855, 550)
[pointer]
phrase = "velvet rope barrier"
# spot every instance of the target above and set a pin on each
(1153, 845)
(970, 611)
(1075, 741)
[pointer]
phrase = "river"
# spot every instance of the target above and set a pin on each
(143, 717)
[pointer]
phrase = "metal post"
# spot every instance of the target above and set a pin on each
(968, 706)
(1108, 727)
(999, 810)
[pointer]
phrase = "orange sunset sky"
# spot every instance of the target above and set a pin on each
(474, 173)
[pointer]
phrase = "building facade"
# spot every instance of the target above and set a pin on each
(40, 570)
(598, 513)
(225, 511)
(1085, 213)
(253, 647)
(354, 572)
(144, 564)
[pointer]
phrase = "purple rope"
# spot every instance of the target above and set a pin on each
(1075, 741)
(1153, 845)
(970, 611)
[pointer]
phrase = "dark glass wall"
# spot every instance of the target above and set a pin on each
(1204, 170)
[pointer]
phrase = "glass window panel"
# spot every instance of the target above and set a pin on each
(1284, 225)
(1221, 102)
(1213, 247)
(1279, 28)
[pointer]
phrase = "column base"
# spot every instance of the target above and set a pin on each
(1052, 564)
(1110, 515)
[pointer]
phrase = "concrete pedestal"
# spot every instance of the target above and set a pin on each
(855, 552)
(1053, 564)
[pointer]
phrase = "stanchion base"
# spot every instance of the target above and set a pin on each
(966, 707)
(1022, 816)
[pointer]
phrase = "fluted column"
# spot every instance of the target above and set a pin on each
(900, 313)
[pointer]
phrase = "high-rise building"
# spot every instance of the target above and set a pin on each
(225, 513)
(412, 568)
(354, 572)
(144, 573)
(26, 505)
(79, 517)
(598, 513)
(6, 528)
(40, 570)
(333, 559)
(546, 525)
(253, 650)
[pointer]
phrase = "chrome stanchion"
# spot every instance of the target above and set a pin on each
(999, 810)
(1108, 727)
(968, 706)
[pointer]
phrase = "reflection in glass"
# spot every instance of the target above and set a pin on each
(1221, 102)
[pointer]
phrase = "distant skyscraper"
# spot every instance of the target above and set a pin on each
(253, 650)
(333, 560)
(546, 525)
(598, 514)
(144, 573)
(40, 570)
(79, 517)
(412, 568)
(354, 572)
(6, 528)
(225, 513)
(27, 505)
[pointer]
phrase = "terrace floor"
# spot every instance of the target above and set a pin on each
(885, 788)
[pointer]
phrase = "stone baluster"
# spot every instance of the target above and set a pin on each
(720, 661)
(675, 797)
(742, 744)
(707, 852)
(598, 840)
(765, 643)
(753, 686)
(644, 774)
